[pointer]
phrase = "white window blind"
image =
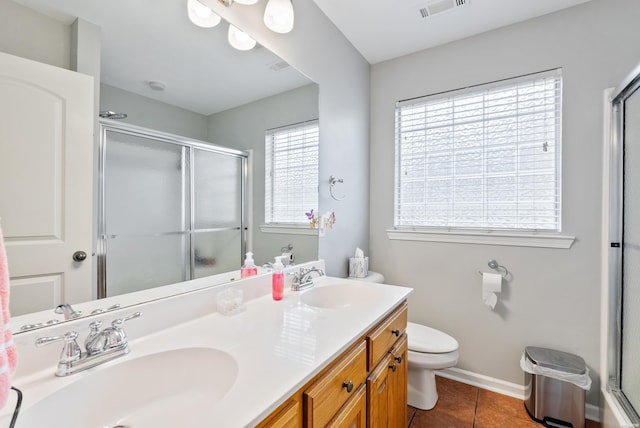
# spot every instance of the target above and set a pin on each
(486, 157)
(291, 173)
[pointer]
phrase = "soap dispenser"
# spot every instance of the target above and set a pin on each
(249, 267)
(277, 279)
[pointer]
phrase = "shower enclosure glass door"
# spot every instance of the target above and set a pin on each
(625, 258)
(170, 209)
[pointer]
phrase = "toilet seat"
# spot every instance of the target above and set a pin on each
(429, 340)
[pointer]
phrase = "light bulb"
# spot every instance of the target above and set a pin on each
(239, 39)
(278, 16)
(201, 15)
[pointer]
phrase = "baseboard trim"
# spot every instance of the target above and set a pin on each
(503, 387)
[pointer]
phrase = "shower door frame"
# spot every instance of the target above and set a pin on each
(190, 145)
(629, 86)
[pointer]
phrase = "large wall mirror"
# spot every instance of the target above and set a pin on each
(168, 75)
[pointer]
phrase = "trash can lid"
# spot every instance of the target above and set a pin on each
(556, 360)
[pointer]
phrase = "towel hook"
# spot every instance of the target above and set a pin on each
(493, 264)
(332, 182)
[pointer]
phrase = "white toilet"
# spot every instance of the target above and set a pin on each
(429, 350)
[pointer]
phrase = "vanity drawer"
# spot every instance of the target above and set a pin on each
(382, 338)
(329, 393)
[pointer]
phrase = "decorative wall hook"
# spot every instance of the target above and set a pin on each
(332, 182)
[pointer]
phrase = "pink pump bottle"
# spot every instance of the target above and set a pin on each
(249, 267)
(277, 279)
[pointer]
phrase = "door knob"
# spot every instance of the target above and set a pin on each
(79, 256)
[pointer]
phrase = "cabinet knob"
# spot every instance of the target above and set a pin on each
(348, 385)
(395, 332)
(398, 359)
(393, 367)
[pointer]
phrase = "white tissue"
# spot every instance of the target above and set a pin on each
(491, 284)
(359, 253)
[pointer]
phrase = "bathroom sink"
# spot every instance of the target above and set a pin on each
(340, 295)
(167, 389)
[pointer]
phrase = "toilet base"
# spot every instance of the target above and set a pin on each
(422, 388)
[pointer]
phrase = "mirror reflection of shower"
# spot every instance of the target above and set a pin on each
(108, 114)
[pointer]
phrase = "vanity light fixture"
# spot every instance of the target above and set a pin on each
(278, 16)
(239, 39)
(201, 15)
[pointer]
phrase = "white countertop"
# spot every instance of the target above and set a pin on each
(277, 345)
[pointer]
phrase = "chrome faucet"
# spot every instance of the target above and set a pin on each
(303, 280)
(100, 345)
(68, 312)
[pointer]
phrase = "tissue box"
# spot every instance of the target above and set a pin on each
(358, 267)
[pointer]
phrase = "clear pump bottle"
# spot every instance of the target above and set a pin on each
(249, 267)
(277, 279)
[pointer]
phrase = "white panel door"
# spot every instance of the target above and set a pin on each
(46, 174)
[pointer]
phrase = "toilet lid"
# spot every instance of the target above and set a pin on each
(427, 339)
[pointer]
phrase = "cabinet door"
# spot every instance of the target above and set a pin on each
(285, 417)
(378, 394)
(354, 412)
(397, 404)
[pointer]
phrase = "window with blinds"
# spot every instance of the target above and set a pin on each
(291, 173)
(486, 157)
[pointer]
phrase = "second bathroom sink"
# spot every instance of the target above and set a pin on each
(339, 295)
(166, 389)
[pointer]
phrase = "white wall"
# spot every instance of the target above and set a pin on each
(316, 48)
(231, 128)
(28, 34)
(553, 299)
(147, 112)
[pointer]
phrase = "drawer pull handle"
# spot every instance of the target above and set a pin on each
(395, 332)
(393, 367)
(398, 359)
(348, 385)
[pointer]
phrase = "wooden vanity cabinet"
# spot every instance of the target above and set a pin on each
(326, 397)
(387, 381)
(364, 387)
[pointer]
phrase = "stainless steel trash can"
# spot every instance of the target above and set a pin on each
(554, 402)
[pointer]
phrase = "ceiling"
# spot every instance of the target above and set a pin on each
(154, 40)
(386, 29)
(145, 40)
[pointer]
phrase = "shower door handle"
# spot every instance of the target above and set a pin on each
(79, 256)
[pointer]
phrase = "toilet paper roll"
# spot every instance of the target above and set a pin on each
(491, 284)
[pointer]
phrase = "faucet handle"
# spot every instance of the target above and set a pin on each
(68, 312)
(117, 323)
(70, 351)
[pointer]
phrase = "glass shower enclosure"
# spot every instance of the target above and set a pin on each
(170, 209)
(624, 261)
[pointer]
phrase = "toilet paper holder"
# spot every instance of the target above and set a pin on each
(493, 264)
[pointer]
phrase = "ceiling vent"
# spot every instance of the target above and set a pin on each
(434, 7)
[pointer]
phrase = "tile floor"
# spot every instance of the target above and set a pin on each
(465, 406)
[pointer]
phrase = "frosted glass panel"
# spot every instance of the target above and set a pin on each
(137, 263)
(630, 375)
(144, 185)
(217, 190)
(216, 252)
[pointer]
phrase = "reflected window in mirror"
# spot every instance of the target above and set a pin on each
(291, 173)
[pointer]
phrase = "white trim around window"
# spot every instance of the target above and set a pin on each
(531, 239)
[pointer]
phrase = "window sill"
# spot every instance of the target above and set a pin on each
(488, 238)
(288, 229)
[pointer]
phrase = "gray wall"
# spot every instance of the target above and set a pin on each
(316, 48)
(553, 299)
(28, 34)
(147, 112)
(243, 128)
